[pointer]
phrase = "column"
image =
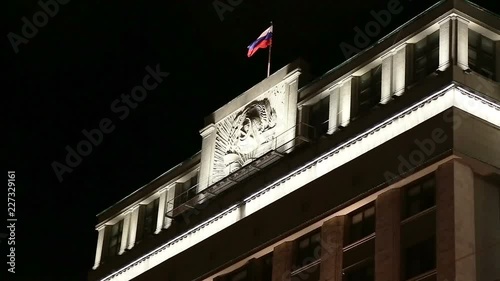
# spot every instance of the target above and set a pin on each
(386, 91)
(170, 196)
(125, 233)
(207, 153)
(462, 43)
(333, 115)
(333, 233)
(455, 228)
(134, 217)
(445, 32)
(345, 102)
(399, 70)
(98, 251)
(283, 261)
(388, 236)
(161, 210)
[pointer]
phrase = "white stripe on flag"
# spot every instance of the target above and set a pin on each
(270, 29)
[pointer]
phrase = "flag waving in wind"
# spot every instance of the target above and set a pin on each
(264, 41)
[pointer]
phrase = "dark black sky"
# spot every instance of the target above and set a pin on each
(66, 77)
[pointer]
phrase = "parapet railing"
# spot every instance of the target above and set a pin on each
(283, 144)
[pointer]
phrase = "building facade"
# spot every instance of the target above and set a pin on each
(385, 168)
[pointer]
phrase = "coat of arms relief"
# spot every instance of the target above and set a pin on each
(248, 133)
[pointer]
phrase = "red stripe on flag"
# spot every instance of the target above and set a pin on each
(262, 44)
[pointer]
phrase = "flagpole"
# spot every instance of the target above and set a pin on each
(270, 47)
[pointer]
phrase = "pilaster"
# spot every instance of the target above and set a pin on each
(207, 153)
(399, 70)
(345, 102)
(333, 115)
(333, 234)
(125, 233)
(455, 229)
(462, 42)
(386, 91)
(283, 261)
(134, 218)
(161, 210)
(98, 252)
(445, 43)
(388, 236)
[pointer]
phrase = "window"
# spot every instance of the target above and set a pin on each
(319, 115)
(420, 197)
(267, 272)
(362, 223)
(260, 269)
(427, 55)
(115, 238)
(189, 189)
(370, 85)
(149, 218)
(364, 271)
(420, 258)
(482, 54)
(308, 249)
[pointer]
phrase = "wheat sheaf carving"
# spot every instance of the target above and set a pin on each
(243, 136)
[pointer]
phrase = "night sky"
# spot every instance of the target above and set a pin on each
(67, 76)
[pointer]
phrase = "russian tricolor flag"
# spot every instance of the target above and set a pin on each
(265, 40)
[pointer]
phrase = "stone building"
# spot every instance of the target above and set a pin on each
(385, 168)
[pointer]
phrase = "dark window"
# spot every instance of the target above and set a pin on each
(318, 116)
(362, 223)
(427, 56)
(115, 238)
(420, 258)
(261, 269)
(267, 272)
(420, 197)
(189, 189)
(149, 218)
(308, 249)
(482, 54)
(370, 87)
(364, 271)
